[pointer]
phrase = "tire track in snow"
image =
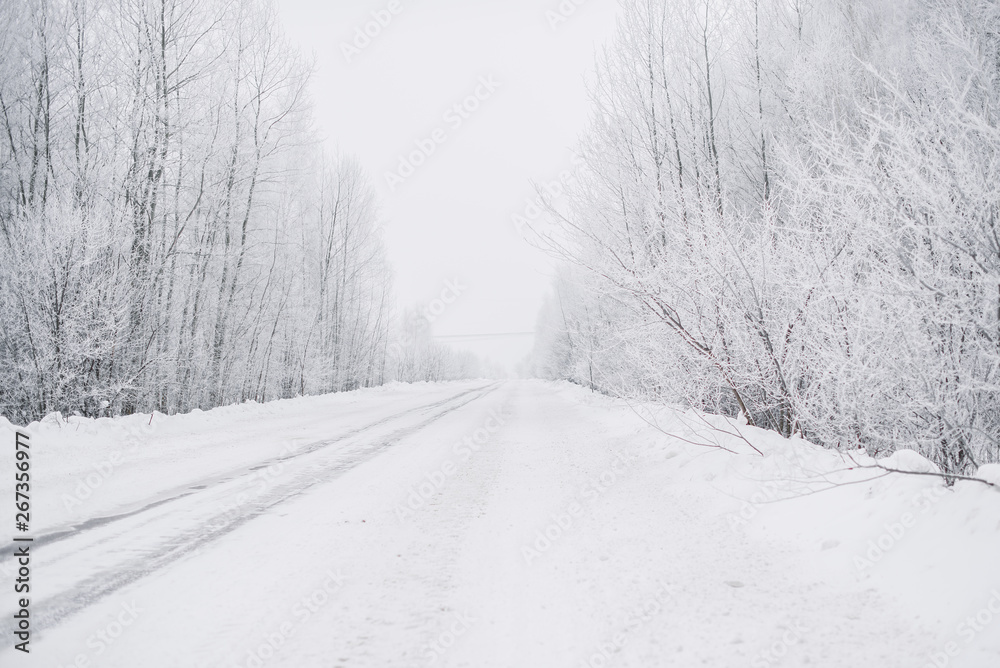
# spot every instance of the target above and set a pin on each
(50, 612)
(197, 486)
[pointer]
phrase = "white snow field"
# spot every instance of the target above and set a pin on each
(516, 524)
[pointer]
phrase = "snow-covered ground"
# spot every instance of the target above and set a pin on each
(492, 524)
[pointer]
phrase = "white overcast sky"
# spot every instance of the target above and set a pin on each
(452, 218)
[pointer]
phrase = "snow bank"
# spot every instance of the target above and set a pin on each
(990, 473)
(933, 547)
(908, 460)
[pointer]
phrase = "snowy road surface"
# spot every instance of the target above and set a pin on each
(489, 524)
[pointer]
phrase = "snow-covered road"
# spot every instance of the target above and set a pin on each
(483, 524)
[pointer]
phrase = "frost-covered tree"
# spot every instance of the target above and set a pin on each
(791, 207)
(171, 235)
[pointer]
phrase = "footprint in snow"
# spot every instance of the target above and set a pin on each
(734, 583)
